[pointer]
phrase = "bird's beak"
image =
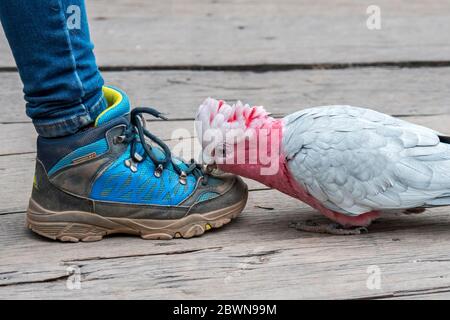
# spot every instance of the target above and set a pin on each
(209, 168)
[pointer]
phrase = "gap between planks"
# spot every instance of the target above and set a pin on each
(260, 68)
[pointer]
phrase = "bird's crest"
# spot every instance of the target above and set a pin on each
(217, 114)
(220, 125)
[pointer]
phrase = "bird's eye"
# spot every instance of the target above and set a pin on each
(220, 150)
(224, 151)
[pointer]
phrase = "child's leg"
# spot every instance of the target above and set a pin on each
(53, 52)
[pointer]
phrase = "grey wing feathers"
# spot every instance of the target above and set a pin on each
(357, 160)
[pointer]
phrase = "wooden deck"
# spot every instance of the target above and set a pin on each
(173, 54)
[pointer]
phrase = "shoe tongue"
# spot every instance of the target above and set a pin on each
(118, 105)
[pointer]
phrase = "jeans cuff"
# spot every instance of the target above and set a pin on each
(71, 124)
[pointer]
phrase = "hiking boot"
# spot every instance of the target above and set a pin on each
(117, 177)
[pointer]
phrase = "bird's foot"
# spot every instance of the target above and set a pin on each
(330, 228)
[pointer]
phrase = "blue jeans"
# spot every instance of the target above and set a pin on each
(52, 48)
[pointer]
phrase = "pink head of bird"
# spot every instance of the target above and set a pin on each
(237, 135)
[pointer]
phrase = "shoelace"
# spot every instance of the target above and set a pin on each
(136, 133)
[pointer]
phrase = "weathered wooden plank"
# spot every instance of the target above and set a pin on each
(212, 32)
(179, 93)
(257, 256)
(16, 174)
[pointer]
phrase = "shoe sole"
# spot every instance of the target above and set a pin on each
(74, 226)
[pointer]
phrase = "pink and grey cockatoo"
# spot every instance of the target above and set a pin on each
(351, 164)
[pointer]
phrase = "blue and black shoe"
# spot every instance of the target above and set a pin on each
(108, 179)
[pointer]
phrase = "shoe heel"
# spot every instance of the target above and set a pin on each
(40, 222)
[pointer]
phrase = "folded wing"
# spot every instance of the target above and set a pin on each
(357, 160)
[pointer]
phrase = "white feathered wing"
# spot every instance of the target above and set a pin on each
(356, 160)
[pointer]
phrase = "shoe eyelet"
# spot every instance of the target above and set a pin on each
(118, 139)
(137, 157)
(182, 178)
(158, 171)
(130, 164)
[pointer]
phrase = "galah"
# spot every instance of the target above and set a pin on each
(351, 164)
